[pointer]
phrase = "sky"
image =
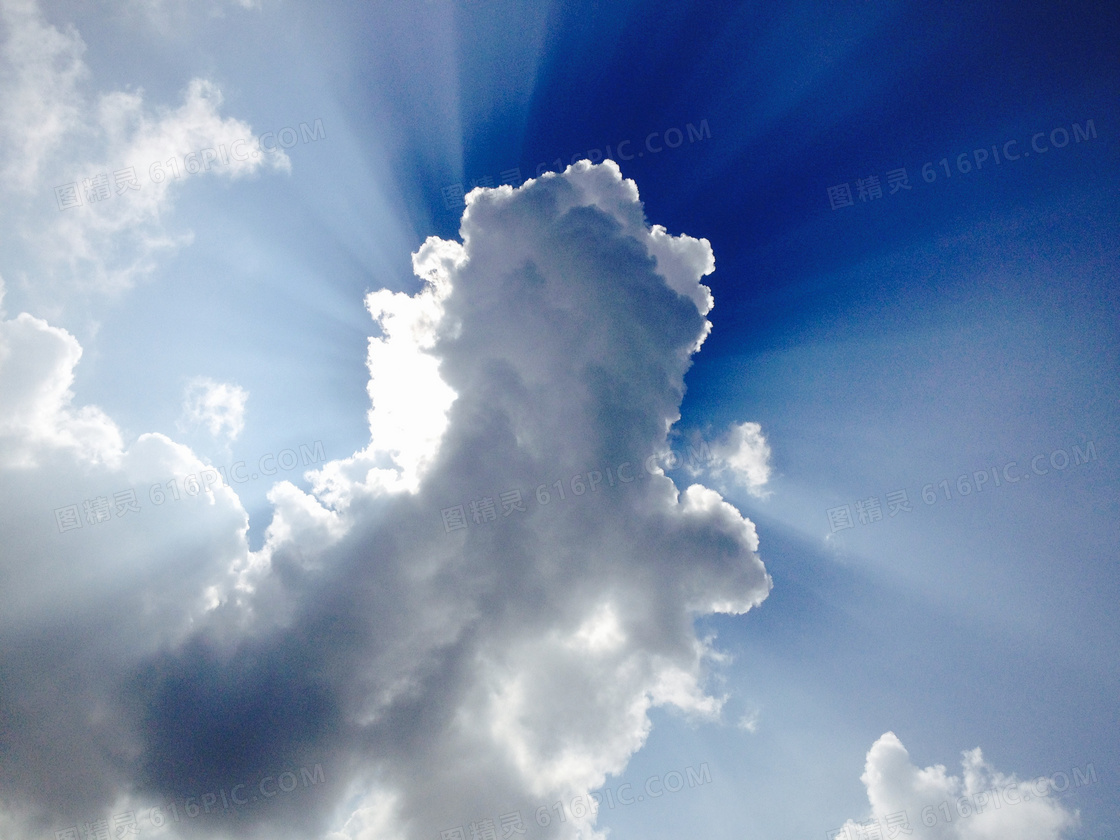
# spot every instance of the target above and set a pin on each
(482, 420)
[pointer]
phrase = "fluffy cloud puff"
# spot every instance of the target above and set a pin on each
(995, 805)
(443, 676)
(742, 456)
(219, 407)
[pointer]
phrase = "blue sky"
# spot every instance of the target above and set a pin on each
(952, 335)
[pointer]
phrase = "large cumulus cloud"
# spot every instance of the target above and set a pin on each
(442, 676)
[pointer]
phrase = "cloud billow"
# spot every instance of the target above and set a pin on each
(442, 677)
(982, 803)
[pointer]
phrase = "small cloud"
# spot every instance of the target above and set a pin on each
(218, 406)
(743, 453)
(749, 722)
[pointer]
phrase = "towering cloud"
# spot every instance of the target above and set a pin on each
(473, 615)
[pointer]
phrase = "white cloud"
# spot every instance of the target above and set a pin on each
(80, 606)
(409, 400)
(444, 677)
(117, 240)
(40, 71)
(749, 721)
(36, 371)
(980, 804)
(743, 455)
(560, 351)
(217, 406)
(53, 134)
